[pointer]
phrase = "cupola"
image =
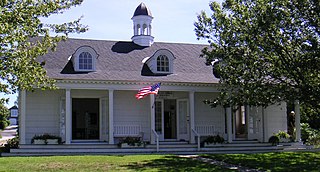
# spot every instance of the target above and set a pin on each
(142, 19)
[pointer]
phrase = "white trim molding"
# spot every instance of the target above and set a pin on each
(84, 49)
(68, 117)
(22, 125)
(111, 138)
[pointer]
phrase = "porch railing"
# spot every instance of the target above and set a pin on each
(157, 139)
(198, 137)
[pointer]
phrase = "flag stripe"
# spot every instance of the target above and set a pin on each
(144, 91)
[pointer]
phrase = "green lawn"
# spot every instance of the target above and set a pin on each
(300, 161)
(275, 162)
(104, 163)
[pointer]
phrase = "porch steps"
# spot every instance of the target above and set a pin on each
(104, 149)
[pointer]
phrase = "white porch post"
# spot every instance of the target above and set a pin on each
(152, 119)
(22, 123)
(111, 138)
(297, 120)
(229, 124)
(68, 116)
(192, 125)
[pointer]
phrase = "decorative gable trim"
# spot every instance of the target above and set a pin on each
(161, 62)
(84, 59)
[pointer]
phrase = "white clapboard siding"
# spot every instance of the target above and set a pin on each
(42, 113)
(276, 119)
(128, 111)
(205, 115)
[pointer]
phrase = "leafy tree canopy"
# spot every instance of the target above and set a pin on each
(4, 114)
(23, 37)
(268, 50)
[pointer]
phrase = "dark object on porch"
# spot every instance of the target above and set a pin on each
(214, 139)
(274, 140)
(131, 141)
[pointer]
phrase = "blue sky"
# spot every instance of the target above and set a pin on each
(111, 20)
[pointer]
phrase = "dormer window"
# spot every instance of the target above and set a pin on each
(162, 63)
(84, 59)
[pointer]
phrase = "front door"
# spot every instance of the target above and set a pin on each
(85, 119)
(255, 123)
(183, 118)
(170, 119)
(240, 123)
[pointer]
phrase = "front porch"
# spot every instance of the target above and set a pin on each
(171, 148)
(105, 116)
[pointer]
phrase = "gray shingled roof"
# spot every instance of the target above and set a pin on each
(122, 61)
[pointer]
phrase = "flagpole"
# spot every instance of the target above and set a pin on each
(154, 101)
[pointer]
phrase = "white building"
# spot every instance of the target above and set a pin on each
(97, 82)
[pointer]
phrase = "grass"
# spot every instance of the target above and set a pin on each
(278, 162)
(105, 163)
(275, 162)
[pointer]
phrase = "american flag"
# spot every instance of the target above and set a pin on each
(153, 89)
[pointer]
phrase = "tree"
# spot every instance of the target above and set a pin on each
(23, 38)
(4, 114)
(267, 50)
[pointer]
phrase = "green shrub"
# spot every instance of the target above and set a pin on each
(45, 137)
(314, 140)
(11, 144)
(282, 134)
(4, 124)
(309, 136)
(132, 141)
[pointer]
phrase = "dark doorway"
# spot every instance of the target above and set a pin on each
(85, 119)
(241, 123)
(170, 119)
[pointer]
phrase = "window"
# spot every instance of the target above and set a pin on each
(14, 113)
(85, 61)
(162, 63)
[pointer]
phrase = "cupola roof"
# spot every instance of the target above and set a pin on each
(142, 9)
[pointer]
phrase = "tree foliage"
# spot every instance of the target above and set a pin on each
(268, 50)
(4, 114)
(23, 37)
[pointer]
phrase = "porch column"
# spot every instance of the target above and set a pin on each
(68, 117)
(192, 126)
(22, 123)
(297, 120)
(152, 120)
(229, 124)
(111, 138)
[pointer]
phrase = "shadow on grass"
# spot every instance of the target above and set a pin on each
(285, 161)
(173, 163)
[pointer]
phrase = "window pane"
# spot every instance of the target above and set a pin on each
(163, 63)
(85, 61)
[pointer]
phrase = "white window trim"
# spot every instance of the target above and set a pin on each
(76, 55)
